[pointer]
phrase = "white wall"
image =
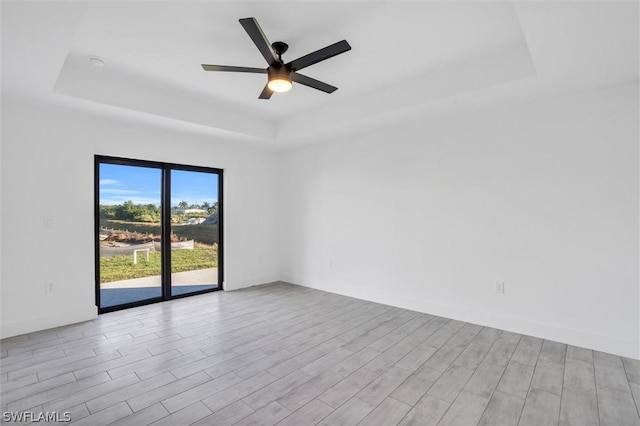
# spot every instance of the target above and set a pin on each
(422, 215)
(47, 171)
(430, 215)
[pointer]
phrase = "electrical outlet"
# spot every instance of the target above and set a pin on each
(48, 288)
(47, 222)
(500, 287)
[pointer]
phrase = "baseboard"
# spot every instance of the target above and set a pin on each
(249, 282)
(30, 325)
(581, 338)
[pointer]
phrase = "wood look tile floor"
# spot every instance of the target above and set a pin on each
(288, 355)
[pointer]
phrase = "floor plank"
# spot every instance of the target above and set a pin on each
(466, 410)
(502, 409)
(312, 413)
(389, 412)
(578, 407)
(540, 408)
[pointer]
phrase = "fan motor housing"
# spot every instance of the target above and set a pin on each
(279, 72)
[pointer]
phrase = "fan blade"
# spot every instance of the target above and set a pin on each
(259, 39)
(266, 93)
(234, 69)
(312, 82)
(319, 55)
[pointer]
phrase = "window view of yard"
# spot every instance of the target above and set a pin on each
(130, 233)
(124, 233)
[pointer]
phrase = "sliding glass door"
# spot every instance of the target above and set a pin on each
(130, 213)
(158, 231)
(194, 231)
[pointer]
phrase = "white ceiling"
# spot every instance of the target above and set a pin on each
(407, 58)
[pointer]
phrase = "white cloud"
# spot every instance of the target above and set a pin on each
(110, 201)
(118, 191)
(109, 182)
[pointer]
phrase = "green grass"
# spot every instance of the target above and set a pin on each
(118, 268)
(205, 234)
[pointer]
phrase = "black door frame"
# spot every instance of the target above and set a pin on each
(165, 191)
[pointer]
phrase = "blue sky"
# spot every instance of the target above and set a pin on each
(142, 185)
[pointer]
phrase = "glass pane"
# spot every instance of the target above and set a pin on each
(130, 234)
(194, 231)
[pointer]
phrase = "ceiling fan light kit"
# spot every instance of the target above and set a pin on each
(279, 79)
(281, 75)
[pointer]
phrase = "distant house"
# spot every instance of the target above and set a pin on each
(212, 219)
(195, 220)
(187, 211)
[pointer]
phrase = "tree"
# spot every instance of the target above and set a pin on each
(131, 212)
(213, 208)
(183, 205)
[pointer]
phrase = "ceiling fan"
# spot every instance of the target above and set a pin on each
(280, 75)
